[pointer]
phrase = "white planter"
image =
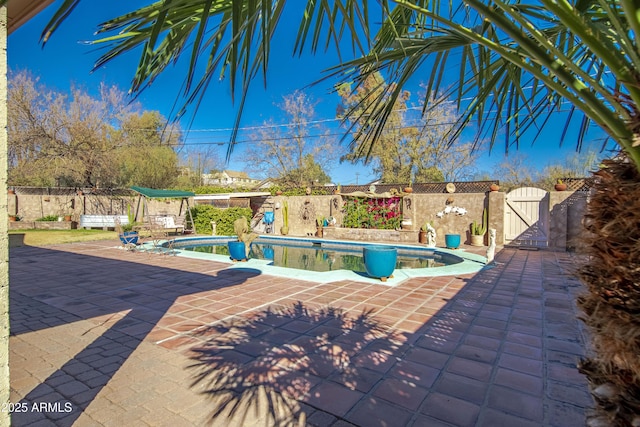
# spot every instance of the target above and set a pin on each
(477, 240)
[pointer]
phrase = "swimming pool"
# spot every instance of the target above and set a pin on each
(317, 255)
(423, 262)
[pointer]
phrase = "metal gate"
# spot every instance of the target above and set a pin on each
(526, 217)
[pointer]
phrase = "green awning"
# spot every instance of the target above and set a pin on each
(152, 193)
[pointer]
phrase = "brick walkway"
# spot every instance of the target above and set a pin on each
(106, 337)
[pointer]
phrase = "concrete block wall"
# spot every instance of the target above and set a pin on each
(31, 207)
(566, 211)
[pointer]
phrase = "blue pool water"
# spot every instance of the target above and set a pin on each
(317, 255)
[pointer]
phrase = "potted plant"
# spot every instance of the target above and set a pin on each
(478, 230)
(239, 249)
(409, 188)
(560, 186)
(422, 234)
(320, 226)
(284, 230)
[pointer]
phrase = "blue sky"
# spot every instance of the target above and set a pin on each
(64, 61)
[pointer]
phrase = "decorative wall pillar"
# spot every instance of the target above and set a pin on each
(496, 214)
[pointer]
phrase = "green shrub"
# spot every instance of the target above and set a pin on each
(224, 218)
(48, 218)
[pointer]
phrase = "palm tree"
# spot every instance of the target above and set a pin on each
(518, 63)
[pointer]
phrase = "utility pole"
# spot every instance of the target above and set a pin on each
(357, 173)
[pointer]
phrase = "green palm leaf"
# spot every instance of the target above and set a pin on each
(584, 53)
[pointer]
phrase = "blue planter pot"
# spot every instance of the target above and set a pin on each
(452, 241)
(268, 252)
(237, 251)
(380, 261)
(129, 237)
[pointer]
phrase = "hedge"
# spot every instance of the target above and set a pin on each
(204, 214)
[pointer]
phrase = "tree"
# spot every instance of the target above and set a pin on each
(56, 140)
(146, 154)
(515, 171)
(518, 63)
(295, 152)
(411, 146)
(577, 165)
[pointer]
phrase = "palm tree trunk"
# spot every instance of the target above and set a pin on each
(612, 305)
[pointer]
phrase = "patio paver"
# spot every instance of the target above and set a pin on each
(101, 336)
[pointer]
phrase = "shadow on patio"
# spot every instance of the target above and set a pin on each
(125, 300)
(495, 348)
(500, 351)
(264, 367)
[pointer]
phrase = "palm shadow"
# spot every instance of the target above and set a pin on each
(272, 366)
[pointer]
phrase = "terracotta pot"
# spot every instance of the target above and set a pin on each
(278, 193)
(67, 217)
(494, 187)
(12, 218)
(408, 190)
(319, 232)
(560, 187)
(422, 236)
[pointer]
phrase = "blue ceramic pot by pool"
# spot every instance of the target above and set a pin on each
(452, 241)
(129, 237)
(268, 217)
(237, 251)
(380, 261)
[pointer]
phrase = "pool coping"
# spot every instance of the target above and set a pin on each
(471, 263)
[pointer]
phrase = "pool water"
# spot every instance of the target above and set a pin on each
(323, 257)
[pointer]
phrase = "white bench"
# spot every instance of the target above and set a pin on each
(102, 221)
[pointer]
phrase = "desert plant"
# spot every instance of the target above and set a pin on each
(480, 229)
(425, 226)
(285, 214)
(241, 228)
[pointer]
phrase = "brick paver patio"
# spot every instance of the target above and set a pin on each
(101, 336)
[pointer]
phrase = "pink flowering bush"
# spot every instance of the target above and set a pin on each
(382, 214)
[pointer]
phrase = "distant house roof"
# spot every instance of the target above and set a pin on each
(236, 174)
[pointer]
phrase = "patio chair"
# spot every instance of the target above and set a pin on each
(159, 229)
(129, 239)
